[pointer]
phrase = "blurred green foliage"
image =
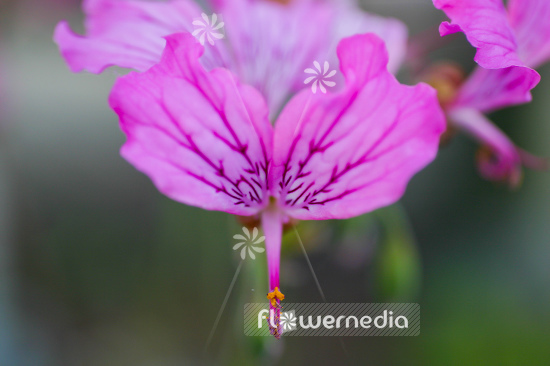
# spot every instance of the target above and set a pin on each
(398, 266)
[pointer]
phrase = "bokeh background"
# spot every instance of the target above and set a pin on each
(97, 268)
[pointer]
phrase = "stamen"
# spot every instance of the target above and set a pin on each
(275, 296)
(446, 79)
(274, 319)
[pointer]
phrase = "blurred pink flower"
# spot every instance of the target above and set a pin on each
(267, 44)
(205, 139)
(510, 42)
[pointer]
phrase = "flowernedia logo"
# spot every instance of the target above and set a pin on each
(335, 319)
(208, 29)
(249, 241)
(320, 77)
(288, 320)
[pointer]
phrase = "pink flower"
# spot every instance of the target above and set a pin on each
(205, 139)
(510, 43)
(267, 44)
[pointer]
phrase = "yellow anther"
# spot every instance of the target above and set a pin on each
(274, 296)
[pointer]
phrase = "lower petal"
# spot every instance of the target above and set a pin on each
(343, 154)
(488, 90)
(202, 137)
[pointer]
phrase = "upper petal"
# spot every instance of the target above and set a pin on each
(273, 43)
(123, 33)
(202, 137)
(530, 20)
(340, 155)
(486, 26)
(349, 21)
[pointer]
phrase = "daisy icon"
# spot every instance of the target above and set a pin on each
(320, 77)
(288, 321)
(206, 29)
(250, 242)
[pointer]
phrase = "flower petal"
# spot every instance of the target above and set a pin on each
(203, 138)
(273, 43)
(341, 155)
(350, 21)
(488, 90)
(485, 24)
(505, 162)
(123, 33)
(530, 20)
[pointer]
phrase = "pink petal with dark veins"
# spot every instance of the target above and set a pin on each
(202, 137)
(341, 155)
